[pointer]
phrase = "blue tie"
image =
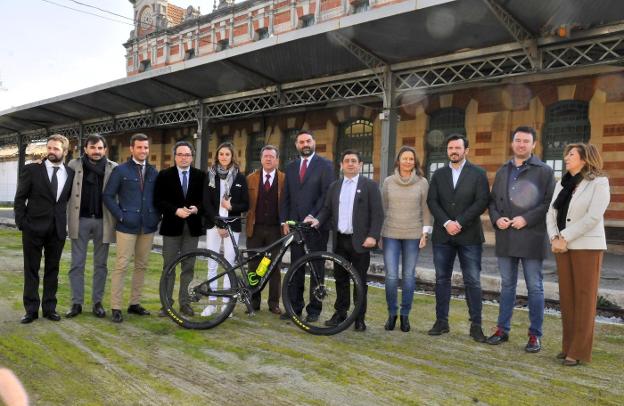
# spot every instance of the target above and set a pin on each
(184, 183)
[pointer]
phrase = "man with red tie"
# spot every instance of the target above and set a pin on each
(307, 181)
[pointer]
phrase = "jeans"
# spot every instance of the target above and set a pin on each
(532, 269)
(392, 249)
(470, 262)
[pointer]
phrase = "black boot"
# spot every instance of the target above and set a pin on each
(390, 323)
(405, 326)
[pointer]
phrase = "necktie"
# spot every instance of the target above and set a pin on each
(303, 169)
(54, 182)
(184, 183)
(267, 184)
(140, 168)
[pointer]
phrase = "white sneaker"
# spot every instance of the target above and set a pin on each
(209, 310)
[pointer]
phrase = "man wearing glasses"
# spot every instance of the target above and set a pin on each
(178, 196)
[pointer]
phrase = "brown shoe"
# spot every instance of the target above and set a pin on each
(571, 362)
(275, 310)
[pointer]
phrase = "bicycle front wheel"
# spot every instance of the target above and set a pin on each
(197, 290)
(327, 287)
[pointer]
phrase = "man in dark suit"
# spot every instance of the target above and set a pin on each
(458, 195)
(520, 198)
(178, 196)
(354, 212)
(41, 214)
(307, 180)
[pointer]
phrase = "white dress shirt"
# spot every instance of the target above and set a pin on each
(345, 206)
(457, 172)
(61, 176)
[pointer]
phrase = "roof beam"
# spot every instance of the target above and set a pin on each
(8, 128)
(190, 95)
(521, 34)
(23, 122)
(99, 110)
(126, 98)
(368, 58)
(49, 110)
(254, 72)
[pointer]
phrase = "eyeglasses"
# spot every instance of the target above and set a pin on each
(185, 155)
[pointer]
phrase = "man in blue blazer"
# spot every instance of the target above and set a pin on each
(129, 196)
(307, 180)
(458, 195)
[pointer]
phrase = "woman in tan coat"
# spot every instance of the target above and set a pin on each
(576, 231)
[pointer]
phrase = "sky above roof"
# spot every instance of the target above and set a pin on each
(47, 50)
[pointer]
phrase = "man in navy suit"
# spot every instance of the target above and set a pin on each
(307, 181)
(458, 195)
(41, 214)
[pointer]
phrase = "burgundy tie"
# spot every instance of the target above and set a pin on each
(267, 184)
(303, 169)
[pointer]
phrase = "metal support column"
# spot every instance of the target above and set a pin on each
(203, 139)
(388, 127)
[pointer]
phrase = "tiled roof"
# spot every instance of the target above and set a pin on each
(175, 14)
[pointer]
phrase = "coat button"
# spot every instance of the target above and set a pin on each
(568, 220)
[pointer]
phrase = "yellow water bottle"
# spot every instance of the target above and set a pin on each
(263, 266)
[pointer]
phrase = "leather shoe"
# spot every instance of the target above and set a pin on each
(75, 310)
(360, 325)
(405, 325)
(275, 310)
(499, 337)
(571, 362)
(561, 355)
(52, 316)
(311, 318)
(390, 323)
(29, 318)
(138, 309)
(187, 310)
(336, 319)
(477, 333)
(439, 327)
(98, 310)
(116, 316)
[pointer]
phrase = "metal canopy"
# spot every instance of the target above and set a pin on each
(425, 44)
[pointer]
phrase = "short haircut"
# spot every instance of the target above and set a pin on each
(183, 144)
(407, 148)
(270, 148)
(301, 132)
(350, 152)
(60, 138)
(93, 139)
(457, 136)
(138, 137)
(229, 146)
(525, 129)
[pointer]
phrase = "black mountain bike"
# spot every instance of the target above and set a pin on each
(212, 299)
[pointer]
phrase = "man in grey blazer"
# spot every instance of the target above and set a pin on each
(354, 212)
(519, 201)
(458, 195)
(88, 219)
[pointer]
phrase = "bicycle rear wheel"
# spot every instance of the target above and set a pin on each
(193, 298)
(334, 293)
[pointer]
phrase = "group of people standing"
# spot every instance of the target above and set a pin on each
(101, 201)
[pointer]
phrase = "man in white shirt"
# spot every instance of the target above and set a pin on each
(41, 214)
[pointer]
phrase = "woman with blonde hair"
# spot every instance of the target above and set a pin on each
(406, 228)
(575, 223)
(225, 194)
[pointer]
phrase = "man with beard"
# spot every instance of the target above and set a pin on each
(129, 195)
(520, 198)
(40, 213)
(458, 195)
(88, 219)
(307, 180)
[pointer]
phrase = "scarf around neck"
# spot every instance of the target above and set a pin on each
(217, 171)
(562, 202)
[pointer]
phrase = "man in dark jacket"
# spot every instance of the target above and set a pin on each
(519, 201)
(458, 195)
(354, 211)
(129, 196)
(41, 214)
(178, 196)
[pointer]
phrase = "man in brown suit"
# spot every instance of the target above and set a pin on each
(263, 225)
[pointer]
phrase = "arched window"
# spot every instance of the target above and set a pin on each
(288, 151)
(357, 135)
(567, 121)
(442, 123)
(255, 142)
